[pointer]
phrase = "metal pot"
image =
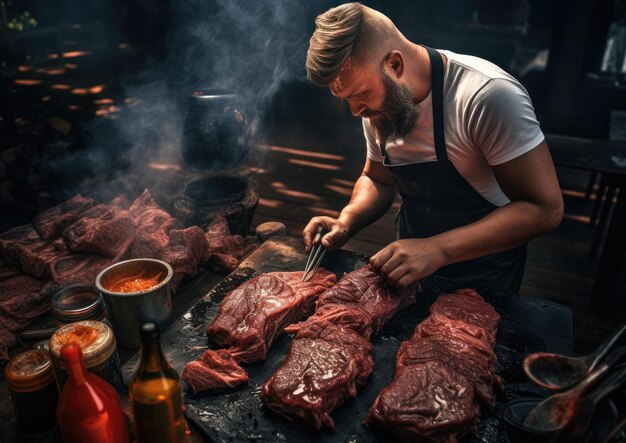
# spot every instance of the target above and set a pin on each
(215, 132)
(128, 310)
(233, 197)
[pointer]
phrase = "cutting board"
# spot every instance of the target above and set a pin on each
(527, 325)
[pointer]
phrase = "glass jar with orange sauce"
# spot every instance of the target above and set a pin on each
(97, 343)
(30, 379)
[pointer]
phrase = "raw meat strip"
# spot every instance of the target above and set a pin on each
(254, 314)
(325, 366)
(214, 370)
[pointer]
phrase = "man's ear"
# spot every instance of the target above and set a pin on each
(395, 63)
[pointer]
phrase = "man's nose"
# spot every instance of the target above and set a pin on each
(356, 107)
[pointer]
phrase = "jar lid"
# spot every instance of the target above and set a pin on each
(29, 371)
(95, 338)
(76, 301)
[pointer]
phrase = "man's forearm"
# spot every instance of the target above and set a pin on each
(370, 200)
(505, 228)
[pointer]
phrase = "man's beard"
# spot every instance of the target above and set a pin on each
(399, 111)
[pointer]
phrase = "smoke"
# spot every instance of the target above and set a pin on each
(249, 47)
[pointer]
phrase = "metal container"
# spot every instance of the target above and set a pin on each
(97, 344)
(128, 310)
(232, 196)
(215, 132)
(78, 302)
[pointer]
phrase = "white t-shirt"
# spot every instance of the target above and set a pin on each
(488, 120)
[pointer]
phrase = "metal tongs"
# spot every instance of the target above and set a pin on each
(315, 257)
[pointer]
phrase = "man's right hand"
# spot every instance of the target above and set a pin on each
(337, 234)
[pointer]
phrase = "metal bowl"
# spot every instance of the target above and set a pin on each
(128, 310)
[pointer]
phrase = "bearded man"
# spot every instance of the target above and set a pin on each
(454, 134)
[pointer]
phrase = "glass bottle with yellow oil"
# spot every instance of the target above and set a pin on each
(155, 394)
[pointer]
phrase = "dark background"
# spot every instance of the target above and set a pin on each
(69, 85)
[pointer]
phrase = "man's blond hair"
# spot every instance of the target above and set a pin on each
(351, 30)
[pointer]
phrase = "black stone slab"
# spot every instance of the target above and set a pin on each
(527, 325)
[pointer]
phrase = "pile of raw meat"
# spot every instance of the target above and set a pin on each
(250, 318)
(74, 241)
(444, 373)
(330, 357)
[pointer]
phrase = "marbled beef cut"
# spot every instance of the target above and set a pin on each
(254, 314)
(104, 230)
(153, 227)
(184, 253)
(21, 301)
(223, 249)
(23, 247)
(51, 222)
(34, 256)
(214, 370)
(428, 401)
(347, 316)
(443, 372)
(74, 269)
(330, 355)
(326, 365)
(365, 289)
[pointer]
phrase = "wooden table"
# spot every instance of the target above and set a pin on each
(609, 158)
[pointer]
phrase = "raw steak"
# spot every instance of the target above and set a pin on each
(358, 305)
(224, 249)
(471, 308)
(438, 325)
(153, 227)
(104, 230)
(25, 234)
(145, 210)
(34, 257)
(21, 301)
(254, 314)
(427, 400)
(365, 289)
(214, 370)
(457, 355)
(16, 286)
(184, 253)
(78, 269)
(443, 372)
(325, 366)
(348, 316)
(51, 223)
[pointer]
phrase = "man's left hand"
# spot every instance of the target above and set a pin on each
(406, 261)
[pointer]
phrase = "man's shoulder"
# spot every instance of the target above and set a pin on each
(472, 80)
(471, 65)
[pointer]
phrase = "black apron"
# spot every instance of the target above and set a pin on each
(436, 198)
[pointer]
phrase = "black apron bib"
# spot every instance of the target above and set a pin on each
(436, 198)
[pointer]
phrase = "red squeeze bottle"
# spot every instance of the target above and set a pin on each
(89, 409)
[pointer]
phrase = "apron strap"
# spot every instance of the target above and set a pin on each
(436, 66)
